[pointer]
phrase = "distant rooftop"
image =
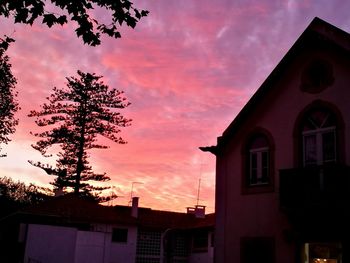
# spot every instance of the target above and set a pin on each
(69, 209)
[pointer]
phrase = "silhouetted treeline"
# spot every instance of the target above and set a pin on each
(16, 195)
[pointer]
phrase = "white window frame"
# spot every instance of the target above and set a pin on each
(319, 145)
(259, 169)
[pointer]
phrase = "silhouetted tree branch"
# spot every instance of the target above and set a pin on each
(79, 11)
(8, 102)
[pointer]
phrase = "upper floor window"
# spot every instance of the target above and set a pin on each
(259, 161)
(319, 137)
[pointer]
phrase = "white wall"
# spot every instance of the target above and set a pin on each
(50, 244)
(57, 244)
(121, 252)
(90, 247)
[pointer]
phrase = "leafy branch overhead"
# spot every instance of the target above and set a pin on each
(8, 101)
(5, 43)
(79, 11)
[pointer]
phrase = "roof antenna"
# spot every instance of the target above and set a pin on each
(199, 188)
(131, 191)
(199, 182)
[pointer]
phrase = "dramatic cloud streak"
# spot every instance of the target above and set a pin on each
(187, 69)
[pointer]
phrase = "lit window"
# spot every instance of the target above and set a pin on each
(322, 252)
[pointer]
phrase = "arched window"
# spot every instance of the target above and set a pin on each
(319, 137)
(259, 160)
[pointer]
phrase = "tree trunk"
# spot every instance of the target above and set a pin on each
(80, 164)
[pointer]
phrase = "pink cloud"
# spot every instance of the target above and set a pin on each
(187, 69)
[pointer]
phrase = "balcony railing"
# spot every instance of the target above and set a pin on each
(315, 187)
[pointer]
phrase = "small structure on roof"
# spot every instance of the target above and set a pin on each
(69, 229)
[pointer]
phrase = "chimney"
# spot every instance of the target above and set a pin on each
(198, 211)
(191, 210)
(135, 206)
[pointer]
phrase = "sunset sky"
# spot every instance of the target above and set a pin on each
(187, 69)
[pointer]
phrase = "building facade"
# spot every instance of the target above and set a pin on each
(69, 229)
(282, 171)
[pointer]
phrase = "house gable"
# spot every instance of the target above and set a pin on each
(282, 165)
(319, 35)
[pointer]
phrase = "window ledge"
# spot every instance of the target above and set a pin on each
(258, 189)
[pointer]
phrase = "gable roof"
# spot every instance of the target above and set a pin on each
(319, 32)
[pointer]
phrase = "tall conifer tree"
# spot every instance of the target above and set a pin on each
(77, 115)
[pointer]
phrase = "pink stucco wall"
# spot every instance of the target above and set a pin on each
(253, 215)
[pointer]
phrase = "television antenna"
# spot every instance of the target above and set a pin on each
(132, 190)
(198, 191)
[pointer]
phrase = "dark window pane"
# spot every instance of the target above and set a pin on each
(328, 141)
(253, 176)
(258, 150)
(200, 239)
(259, 167)
(265, 167)
(253, 168)
(265, 159)
(265, 175)
(257, 250)
(254, 160)
(310, 151)
(120, 235)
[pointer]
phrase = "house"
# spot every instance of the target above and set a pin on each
(69, 229)
(282, 165)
